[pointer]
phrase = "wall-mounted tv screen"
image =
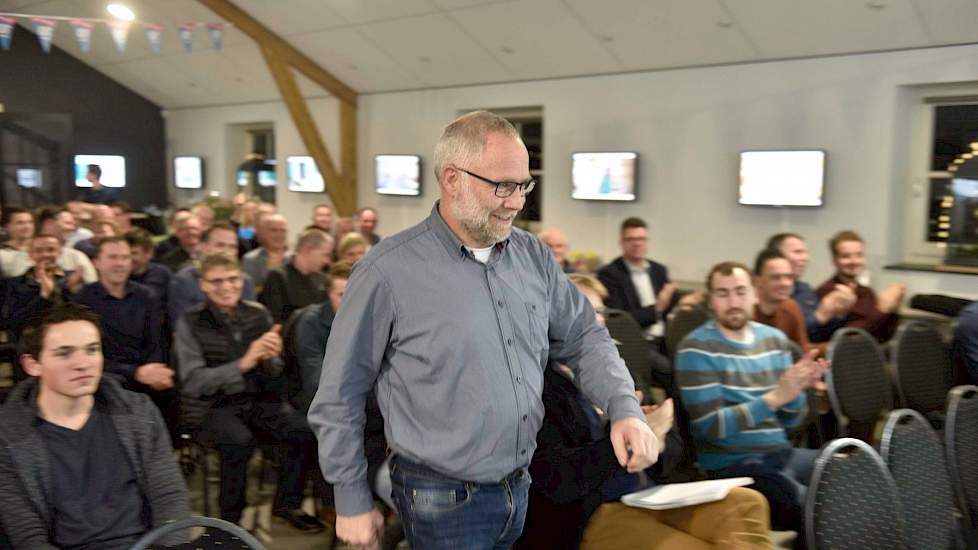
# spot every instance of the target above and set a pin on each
(113, 170)
(267, 178)
(304, 175)
(782, 178)
(188, 172)
(29, 178)
(399, 175)
(604, 176)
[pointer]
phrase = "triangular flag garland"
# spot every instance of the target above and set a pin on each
(216, 30)
(120, 33)
(83, 33)
(44, 27)
(154, 34)
(6, 31)
(186, 32)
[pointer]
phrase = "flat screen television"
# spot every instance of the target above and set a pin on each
(113, 170)
(267, 178)
(399, 175)
(29, 178)
(188, 172)
(304, 176)
(782, 178)
(604, 176)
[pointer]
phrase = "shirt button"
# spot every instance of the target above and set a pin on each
(523, 452)
(500, 302)
(524, 418)
(518, 379)
(509, 341)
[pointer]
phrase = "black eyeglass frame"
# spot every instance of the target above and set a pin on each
(509, 187)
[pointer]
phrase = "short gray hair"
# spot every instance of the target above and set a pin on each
(313, 238)
(464, 139)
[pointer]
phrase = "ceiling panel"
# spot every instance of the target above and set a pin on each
(286, 17)
(949, 21)
(537, 39)
(436, 51)
(457, 4)
(789, 28)
(357, 11)
(667, 33)
(355, 60)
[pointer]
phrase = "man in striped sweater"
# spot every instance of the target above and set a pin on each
(741, 391)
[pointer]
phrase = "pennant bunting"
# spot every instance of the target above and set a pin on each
(83, 33)
(186, 32)
(154, 34)
(120, 33)
(44, 28)
(216, 30)
(6, 31)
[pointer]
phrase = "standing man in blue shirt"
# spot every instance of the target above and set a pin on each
(454, 321)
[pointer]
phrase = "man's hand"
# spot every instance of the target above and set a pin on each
(45, 277)
(267, 346)
(664, 298)
(155, 375)
(660, 418)
(836, 303)
(362, 531)
(889, 299)
(631, 436)
(694, 298)
(807, 372)
(74, 282)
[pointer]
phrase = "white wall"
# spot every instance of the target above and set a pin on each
(688, 127)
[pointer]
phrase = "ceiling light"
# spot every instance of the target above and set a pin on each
(875, 5)
(967, 156)
(120, 11)
(958, 161)
(952, 168)
(974, 145)
(724, 24)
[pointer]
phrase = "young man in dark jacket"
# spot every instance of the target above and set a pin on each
(83, 463)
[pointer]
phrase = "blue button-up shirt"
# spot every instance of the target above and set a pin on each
(457, 350)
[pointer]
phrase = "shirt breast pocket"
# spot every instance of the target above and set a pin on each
(539, 325)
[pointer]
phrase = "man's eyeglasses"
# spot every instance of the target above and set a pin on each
(505, 188)
(232, 280)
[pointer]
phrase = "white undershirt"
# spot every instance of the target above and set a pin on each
(481, 254)
(646, 296)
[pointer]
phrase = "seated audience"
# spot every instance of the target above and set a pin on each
(42, 286)
(71, 260)
(773, 282)
(965, 347)
(300, 281)
(228, 351)
(185, 291)
(322, 217)
(823, 316)
(122, 216)
(188, 232)
(204, 214)
(272, 236)
(365, 221)
(877, 314)
(132, 320)
(556, 241)
(83, 463)
(578, 482)
(19, 224)
(144, 271)
(742, 432)
(102, 229)
(352, 247)
(171, 242)
(69, 229)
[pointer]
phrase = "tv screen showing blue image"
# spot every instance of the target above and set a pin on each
(604, 176)
(304, 176)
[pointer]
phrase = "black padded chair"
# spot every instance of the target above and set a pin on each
(961, 444)
(853, 502)
(858, 385)
(218, 535)
(683, 321)
(632, 346)
(913, 452)
(921, 366)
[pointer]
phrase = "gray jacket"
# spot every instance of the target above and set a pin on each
(25, 476)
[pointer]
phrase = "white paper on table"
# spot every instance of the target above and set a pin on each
(678, 495)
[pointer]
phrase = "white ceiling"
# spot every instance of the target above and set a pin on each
(385, 45)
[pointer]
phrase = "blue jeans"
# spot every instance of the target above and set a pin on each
(440, 512)
(782, 476)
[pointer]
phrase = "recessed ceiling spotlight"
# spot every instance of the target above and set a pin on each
(424, 59)
(120, 11)
(967, 155)
(876, 5)
(952, 168)
(958, 161)
(974, 145)
(507, 49)
(724, 24)
(606, 38)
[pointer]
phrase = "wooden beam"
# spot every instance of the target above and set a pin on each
(343, 195)
(348, 146)
(266, 38)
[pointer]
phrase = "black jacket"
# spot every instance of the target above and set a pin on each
(622, 295)
(25, 476)
(570, 466)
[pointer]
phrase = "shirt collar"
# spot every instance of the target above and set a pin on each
(453, 245)
(633, 269)
(104, 293)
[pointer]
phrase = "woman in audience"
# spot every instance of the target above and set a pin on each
(353, 246)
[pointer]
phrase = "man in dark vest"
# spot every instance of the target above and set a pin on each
(229, 353)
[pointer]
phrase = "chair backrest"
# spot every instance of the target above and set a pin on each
(219, 535)
(852, 501)
(922, 367)
(858, 385)
(684, 320)
(632, 346)
(961, 443)
(913, 452)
